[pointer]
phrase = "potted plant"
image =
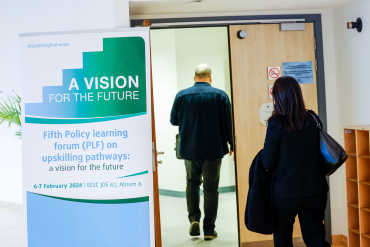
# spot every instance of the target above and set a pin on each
(10, 111)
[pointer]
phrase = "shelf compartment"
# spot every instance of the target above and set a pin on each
(352, 192)
(366, 235)
(351, 167)
(364, 191)
(353, 239)
(365, 241)
(353, 218)
(364, 221)
(363, 169)
(363, 143)
(350, 141)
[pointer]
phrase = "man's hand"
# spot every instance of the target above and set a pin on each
(231, 152)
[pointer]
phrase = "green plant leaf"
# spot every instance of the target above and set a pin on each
(10, 111)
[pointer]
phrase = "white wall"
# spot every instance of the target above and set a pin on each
(21, 16)
(352, 60)
(163, 48)
(175, 54)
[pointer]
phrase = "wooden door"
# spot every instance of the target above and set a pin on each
(157, 216)
(264, 46)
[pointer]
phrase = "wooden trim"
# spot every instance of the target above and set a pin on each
(339, 240)
(298, 242)
(344, 241)
(157, 216)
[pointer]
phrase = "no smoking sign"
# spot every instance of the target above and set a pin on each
(273, 72)
(271, 87)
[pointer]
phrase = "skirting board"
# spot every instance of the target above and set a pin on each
(298, 242)
(339, 240)
(11, 205)
(182, 194)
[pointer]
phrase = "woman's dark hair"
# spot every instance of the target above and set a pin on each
(289, 104)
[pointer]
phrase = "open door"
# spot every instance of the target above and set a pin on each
(264, 46)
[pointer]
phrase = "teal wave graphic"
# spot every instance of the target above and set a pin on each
(112, 201)
(35, 120)
(136, 174)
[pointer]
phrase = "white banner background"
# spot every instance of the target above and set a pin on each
(43, 67)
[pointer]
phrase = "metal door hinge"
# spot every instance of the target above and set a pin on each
(235, 143)
(154, 165)
(316, 64)
(314, 42)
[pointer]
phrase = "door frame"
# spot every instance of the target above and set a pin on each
(319, 53)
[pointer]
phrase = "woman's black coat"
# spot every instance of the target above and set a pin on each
(296, 159)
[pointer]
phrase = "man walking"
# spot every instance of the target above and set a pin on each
(203, 114)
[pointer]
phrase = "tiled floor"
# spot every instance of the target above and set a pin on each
(10, 228)
(175, 224)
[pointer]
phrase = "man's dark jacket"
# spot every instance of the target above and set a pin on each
(203, 114)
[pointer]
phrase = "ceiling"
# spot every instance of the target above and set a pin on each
(154, 7)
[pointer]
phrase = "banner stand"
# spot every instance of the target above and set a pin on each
(88, 134)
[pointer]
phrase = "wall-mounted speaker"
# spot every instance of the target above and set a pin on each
(357, 25)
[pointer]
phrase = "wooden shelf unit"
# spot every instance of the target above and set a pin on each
(357, 146)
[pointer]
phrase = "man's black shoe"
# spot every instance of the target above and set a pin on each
(210, 236)
(194, 229)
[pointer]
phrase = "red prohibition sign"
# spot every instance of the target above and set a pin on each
(274, 73)
(271, 91)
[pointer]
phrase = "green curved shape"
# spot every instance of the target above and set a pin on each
(35, 120)
(136, 174)
(113, 201)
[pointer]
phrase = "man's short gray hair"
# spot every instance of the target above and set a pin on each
(203, 71)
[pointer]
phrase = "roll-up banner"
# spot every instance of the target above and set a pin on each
(87, 140)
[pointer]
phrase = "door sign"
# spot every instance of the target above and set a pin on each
(266, 110)
(273, 72)
(270, 91)
(301, 71)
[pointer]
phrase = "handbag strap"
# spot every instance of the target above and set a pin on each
(317, 121)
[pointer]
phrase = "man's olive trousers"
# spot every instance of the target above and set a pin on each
(210, 171)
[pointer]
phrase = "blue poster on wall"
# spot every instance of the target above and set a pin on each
(301, 71)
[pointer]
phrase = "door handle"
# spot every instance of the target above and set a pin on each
(159, 153)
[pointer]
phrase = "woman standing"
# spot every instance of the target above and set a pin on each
(292, 148)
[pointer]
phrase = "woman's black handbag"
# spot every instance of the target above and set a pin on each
(332, 153)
